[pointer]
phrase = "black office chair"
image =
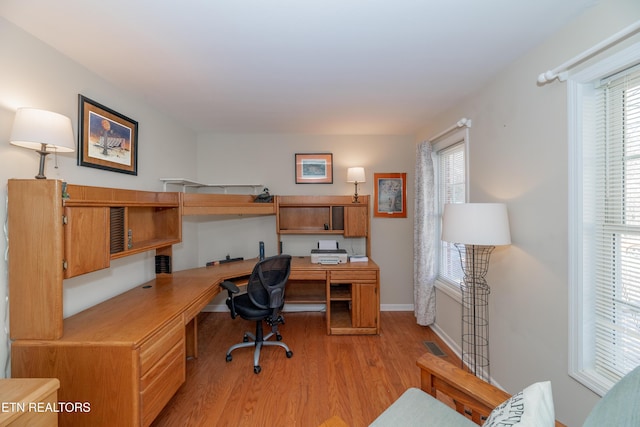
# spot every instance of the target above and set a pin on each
(263, 301)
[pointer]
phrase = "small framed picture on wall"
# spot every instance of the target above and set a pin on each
(314, 168)
(390, 196)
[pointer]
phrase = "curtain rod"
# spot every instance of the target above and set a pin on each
(460, 123)
(560, 72)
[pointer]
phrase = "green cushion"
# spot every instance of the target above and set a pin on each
(415, 408)
(620, 407)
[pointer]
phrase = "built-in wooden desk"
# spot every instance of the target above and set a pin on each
(126, 356)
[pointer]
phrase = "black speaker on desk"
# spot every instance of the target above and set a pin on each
(163, 264)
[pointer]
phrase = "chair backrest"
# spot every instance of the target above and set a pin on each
(267, 282)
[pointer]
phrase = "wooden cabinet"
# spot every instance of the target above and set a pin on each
(162, 369)
(138, 221)
(86, 249)
(323, 215)
(353, 300)
(59, 231)
(127, 372)
(351, 293)
(356, 221)
(29, 402)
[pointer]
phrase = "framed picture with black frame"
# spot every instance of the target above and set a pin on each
(107, 139)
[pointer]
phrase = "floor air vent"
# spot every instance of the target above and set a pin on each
(434, 348)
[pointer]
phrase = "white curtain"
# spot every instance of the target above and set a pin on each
(424, 251)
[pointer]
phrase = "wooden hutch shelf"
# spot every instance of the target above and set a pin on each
(224, 204)
(59, 231)
(323, 215)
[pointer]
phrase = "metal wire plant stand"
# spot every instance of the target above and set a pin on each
(475, 309)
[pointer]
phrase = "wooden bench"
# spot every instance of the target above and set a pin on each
(470, 395)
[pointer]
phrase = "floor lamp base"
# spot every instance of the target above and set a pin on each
(475, 309)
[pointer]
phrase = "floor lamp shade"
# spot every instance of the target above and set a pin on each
(476, 224)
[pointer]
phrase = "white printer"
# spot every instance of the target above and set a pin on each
(328, 253)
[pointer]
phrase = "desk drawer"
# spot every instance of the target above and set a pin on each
(353, 275)
(161, 382)
(307, 275)
(153, 349)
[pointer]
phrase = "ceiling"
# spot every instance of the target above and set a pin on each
(296, 66)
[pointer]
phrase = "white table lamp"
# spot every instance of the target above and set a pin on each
(44, 131)
(355, 175)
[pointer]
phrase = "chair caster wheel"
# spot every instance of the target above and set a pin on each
(257, 369)
(289, 354)
(229, 358)
(245, 339)
(279, 337)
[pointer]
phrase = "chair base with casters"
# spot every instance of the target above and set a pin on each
(258, 341)
(263, 301)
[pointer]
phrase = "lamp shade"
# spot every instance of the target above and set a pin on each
(355, 174)
(476, 224)
(33, 127)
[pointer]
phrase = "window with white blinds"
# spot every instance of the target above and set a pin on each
(451, 179)
(611, 218)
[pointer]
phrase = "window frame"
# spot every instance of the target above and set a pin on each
(580, 97)
(457, 136)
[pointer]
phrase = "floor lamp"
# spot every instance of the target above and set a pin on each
(475, 229)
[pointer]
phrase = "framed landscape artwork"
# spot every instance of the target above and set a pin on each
(107, 139)
(390, 195)
(314, 168)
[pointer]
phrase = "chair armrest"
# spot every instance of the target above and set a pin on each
(471, 396)
(230, 287)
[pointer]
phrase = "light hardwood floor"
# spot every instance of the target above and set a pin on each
(354, 377)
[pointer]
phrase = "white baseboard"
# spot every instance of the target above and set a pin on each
(456, 348)
(396, 307)
(447, 339)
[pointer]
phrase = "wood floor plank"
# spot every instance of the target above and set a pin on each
(354, 377)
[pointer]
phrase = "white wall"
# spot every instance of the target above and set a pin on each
(269, 160)
(34, 75)
(518, 155)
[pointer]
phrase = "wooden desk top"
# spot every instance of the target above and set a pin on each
(129, 318)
